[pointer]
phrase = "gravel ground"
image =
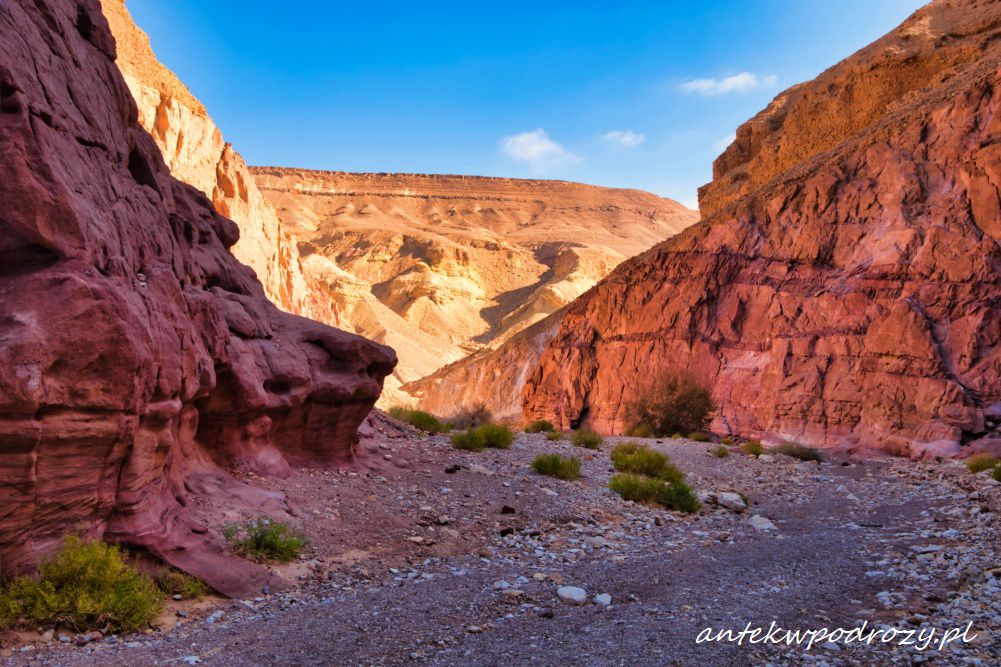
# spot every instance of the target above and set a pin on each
(455, 558)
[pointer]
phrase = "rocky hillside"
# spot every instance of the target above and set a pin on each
(141, 362)
(440, 267)
(845, 286)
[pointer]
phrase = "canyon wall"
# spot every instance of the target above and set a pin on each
(441, 267)
(141, 362)
(844, 288)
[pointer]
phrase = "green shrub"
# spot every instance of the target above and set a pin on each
(640, 431)
(554, 435)
(85, 586)
(497, 436)
(699, 436)
(798, 451)
(586, 439)
(996, 474)
(175, 582)
(471, 417)
(540, 426)
(680, 498)
(424, 421)
(554, 465)
(264, 539)
(635, 458)
(675, 404)
(753, 448)
(726, 441)
(720, 451)
(980, 462)
(470, 441)
(675, 495)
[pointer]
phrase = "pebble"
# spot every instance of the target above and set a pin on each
(572, 594)
(603, 600)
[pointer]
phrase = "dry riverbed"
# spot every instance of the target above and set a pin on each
(459, 558)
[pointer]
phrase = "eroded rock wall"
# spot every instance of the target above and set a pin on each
(140, 359)
(854, 300)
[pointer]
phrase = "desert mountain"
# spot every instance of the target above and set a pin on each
(141, 362)
(844, 287)
(441, 267)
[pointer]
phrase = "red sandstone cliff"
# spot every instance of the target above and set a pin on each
(139, 358)
(844, 288)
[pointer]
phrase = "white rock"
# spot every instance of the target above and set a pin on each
(761, 523)
(766, 458)
(603, 600)
(731, 501)
(572, 594)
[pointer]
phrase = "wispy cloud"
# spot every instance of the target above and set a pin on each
(690, 202)
(623, 138)
(536, 149)
(738, 83)
(721, 145)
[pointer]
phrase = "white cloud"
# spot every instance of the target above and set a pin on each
(738, 83)
(721, 145)
(623, 138)
(537, 149)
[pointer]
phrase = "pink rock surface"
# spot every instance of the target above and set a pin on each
(853, 300)
(140, 361)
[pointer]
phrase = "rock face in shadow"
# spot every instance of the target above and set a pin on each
(843, 291)
(442, 267)
(140, 360)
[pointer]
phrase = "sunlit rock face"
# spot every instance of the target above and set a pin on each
(141, 362)
(441, 267)
(844, 287)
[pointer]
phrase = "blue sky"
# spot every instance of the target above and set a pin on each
(623, 94)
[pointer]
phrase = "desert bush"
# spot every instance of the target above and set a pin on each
(675, 404)
(586, 439)
(540, 426)
(554, 436)
(497, 436)
(424, 421)
(980, 462)
(640, 431)
(175, 582)
(753, 448)
(471, 417)
(798, 451)
(635, 458)
(727, 440)
(996, 473)
(720, 451)
(554, 465)
(699, 436)
(85, 586)
(470, 441)
(637, 488)
(265, 539)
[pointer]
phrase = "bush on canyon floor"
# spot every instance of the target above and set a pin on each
(753, 448)
(640, 431)
(470, 441)
(675, 404)
(798, 451)
(699, 436)
(554, 465)
(424, 421)
(980, 462)
(265, 539)
(540, 426)
(720, 451)
(497, 436)
(85, 586)
(586, 439)
(676, 496)
(633, 457)
(471, 417)
(996, 474)
(175, 582)
(554, 436)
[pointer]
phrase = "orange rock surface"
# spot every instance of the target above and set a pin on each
(844, 288)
